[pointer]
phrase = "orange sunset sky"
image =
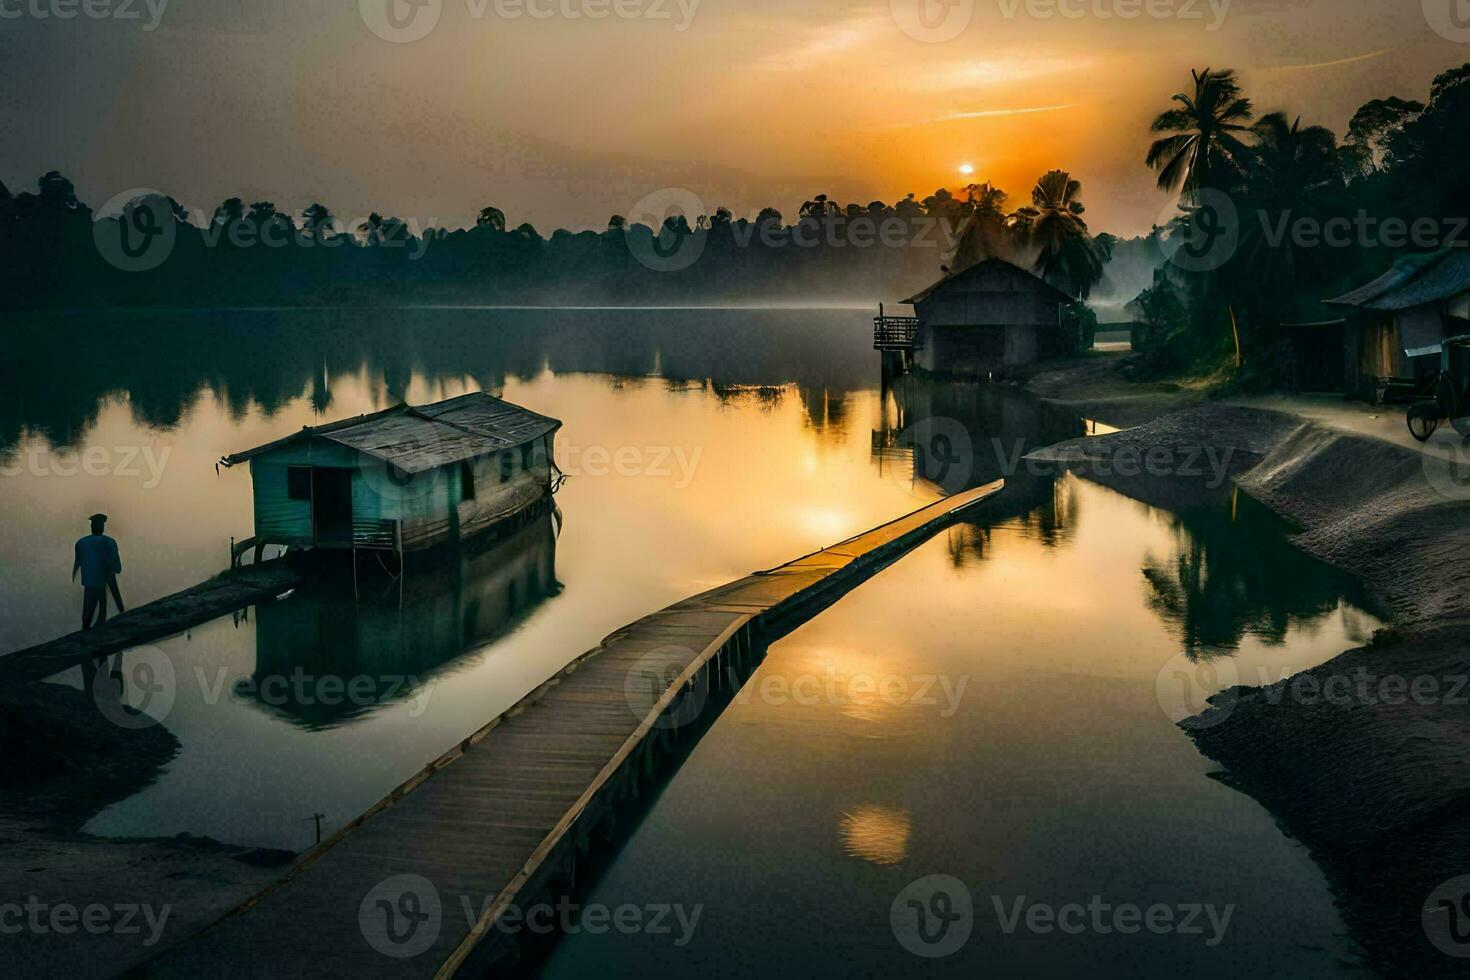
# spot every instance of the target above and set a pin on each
(564, 120)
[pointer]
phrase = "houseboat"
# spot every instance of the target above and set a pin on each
(405, 479)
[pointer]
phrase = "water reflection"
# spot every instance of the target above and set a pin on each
(958, 436)
(1228, 571)
(325, 657)
(1232, 572)
(879, 834)
(1040, 508)
(161, 361)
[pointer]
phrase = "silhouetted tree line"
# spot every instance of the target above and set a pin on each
(152, 252)
(1401, 162)
(162, 362)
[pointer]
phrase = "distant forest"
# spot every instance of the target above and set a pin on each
(152, 252)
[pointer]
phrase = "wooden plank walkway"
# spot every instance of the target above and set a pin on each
(426, 882)
(164, 617)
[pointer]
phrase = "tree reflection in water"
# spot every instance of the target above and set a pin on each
(1233, 573)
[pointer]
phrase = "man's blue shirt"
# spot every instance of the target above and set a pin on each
(98, 559)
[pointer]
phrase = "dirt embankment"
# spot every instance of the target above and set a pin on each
(89, 906)
(1095, 387)
(1365, 759)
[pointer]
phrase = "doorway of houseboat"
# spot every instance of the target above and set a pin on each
(331, 507)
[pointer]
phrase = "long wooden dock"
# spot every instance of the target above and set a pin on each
(432, 879)
(226, 592)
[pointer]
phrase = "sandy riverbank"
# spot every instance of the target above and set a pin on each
(1363, 759)
(72, 904)
(1095, 387)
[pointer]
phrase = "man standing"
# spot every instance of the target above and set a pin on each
(98, 560)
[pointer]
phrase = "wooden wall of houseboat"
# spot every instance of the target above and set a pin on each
(280, 519)
(504, 484)
(432, 505)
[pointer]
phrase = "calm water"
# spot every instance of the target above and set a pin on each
(701, 445)
(1054, 776)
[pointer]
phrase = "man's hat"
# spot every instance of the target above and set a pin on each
(98, 517)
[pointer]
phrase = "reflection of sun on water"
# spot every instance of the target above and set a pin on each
(828, 523)
(878, 834)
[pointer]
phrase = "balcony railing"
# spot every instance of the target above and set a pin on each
(895, 332)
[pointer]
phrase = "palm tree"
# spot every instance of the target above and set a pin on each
(371, 230)
(55, 191)
(986, 234)
(492, 217)
(316, 219)
(1204, 151)
(1066, 253)
(1293, 170)
(231, 210)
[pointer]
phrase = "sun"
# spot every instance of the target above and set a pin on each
(966, 169)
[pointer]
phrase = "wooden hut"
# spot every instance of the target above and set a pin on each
(404, 479)
(1391, 339)
(980, 321)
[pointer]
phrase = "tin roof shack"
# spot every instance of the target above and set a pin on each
(404, 479)
(1396, 323)
(985, 319)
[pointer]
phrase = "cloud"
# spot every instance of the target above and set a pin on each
(1356, 59)
(819, 45)
(978, 73)
(993, 113)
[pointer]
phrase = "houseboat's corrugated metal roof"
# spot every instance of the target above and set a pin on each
(1414, 280)
(987, 265)
(419, 438)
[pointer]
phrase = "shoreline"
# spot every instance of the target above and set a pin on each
(1362, 758)
(66, 761)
